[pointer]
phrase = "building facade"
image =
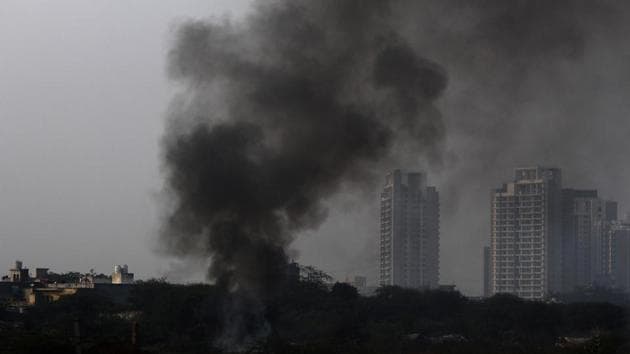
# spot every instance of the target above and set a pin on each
(586, 224)
(526, 234)
(121, 275)
(410, 231)
(487, 272)
(619, 236)
(18, 274)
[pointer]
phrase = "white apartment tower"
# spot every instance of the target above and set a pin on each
(409, 236)
(526, 234)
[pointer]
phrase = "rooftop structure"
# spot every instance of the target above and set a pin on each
(18, 274)
(121, 275)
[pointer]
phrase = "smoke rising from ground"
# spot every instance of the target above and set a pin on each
(310, 94)
(278, 113)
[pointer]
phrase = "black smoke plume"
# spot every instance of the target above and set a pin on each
(278, 112)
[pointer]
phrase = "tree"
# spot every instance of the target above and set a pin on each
(344, 292)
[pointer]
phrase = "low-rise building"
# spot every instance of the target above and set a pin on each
(18, 274)
(121, 275)
(41, 274)
(619, 250)
(45, 295)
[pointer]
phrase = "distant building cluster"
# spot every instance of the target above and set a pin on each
(19, 274)
(23, 288)
(546, 239)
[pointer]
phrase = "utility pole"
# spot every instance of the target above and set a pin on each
(77, 337)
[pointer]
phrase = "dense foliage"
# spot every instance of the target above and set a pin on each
(308, 317)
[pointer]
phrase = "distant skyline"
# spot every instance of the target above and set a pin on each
(84, 94)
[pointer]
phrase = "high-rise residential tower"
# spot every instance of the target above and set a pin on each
(526, 234)
(487, 271)
(619, 260)
(410, 231)
(586, 239)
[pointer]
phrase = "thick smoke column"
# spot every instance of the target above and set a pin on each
(278, 112)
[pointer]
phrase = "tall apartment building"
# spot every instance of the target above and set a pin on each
(619, 251)
(586, 239)
(526, 234)
(487, 272)
(409, 235)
